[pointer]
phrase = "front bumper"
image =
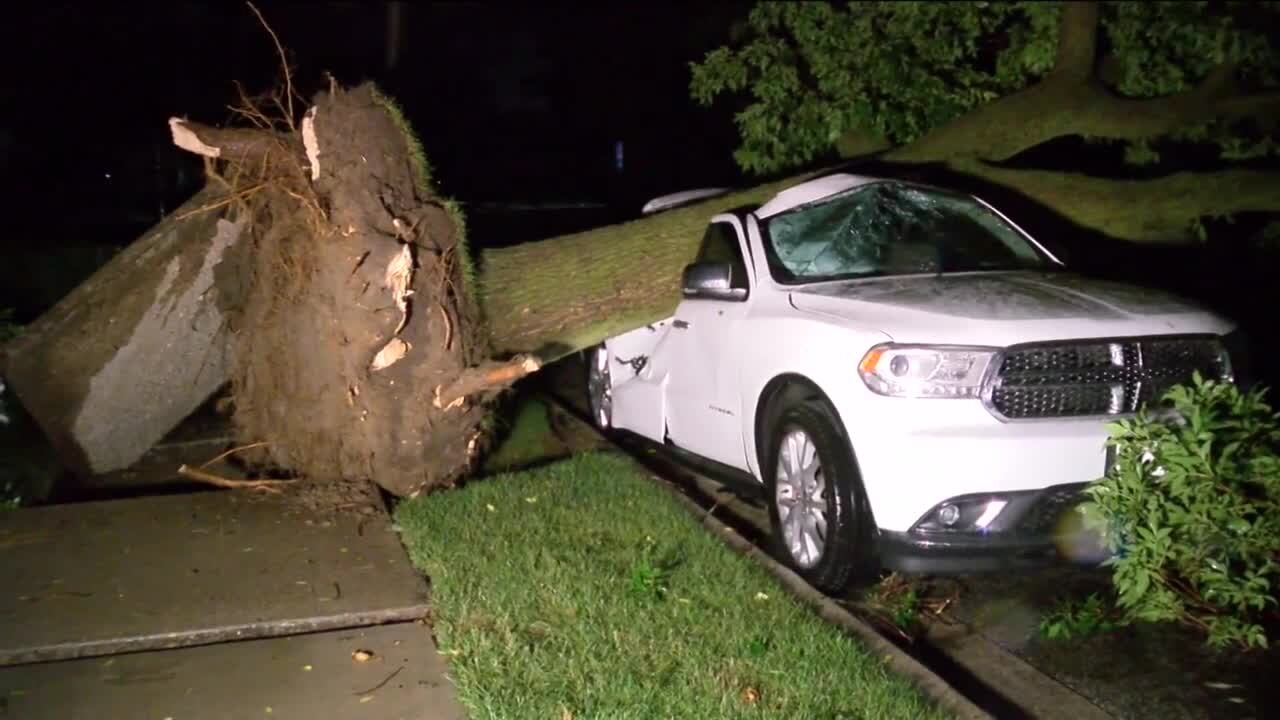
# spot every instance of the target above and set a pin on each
(1034, 529)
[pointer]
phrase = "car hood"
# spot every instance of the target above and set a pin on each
(1004, 308)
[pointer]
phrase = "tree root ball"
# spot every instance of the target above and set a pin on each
(348, 306)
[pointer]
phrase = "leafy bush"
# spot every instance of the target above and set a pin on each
(1078, 618)
(1191, 513)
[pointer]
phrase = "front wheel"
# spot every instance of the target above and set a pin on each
(817, 510)
(600, 387)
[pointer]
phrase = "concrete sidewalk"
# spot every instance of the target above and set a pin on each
(213, 605)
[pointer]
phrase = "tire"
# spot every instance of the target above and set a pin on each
(824, 533)
(599, 387)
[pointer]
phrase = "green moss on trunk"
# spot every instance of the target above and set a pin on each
(556, 296)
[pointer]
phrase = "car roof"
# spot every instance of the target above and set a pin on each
(811, 190)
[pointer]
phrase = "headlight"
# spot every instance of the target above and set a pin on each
(925, 372)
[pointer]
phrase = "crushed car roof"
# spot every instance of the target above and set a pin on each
(811, 190)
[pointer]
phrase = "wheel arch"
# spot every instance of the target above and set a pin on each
(778, 393)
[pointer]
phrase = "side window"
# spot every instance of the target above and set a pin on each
(720, 244)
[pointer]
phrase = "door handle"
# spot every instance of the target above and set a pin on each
(681, 324)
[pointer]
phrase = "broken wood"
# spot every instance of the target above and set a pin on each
(492, 376)
(235, 144)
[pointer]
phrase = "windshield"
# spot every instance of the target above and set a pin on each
(890, 228)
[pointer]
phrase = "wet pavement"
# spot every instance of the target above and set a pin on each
(214, 604)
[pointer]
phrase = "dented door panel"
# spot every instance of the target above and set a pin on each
(637, 363)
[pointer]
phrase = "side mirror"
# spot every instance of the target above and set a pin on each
(710, 281)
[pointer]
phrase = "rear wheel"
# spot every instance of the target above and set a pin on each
(600, 387)
(817, 509)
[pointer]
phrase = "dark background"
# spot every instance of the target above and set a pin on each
(512, 101)
(517, 105)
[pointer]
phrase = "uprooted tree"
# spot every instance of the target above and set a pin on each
(321, 275)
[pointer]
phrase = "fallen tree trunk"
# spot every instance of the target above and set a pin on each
(553, 297)
(136, 348)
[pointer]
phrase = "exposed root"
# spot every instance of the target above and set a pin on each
(248, 110)
(448, 328)
(307, 308)
(484, 378)
(238, 196)
(271, 486)
(233, 451)
(398, 278)
(390, 354)
(284, 64)
(310, 143)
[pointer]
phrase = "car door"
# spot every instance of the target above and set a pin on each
(703, 398)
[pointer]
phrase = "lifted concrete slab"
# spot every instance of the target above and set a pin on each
(180, 570)
(304, 676)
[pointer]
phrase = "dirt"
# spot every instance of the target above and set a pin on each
(311, 305)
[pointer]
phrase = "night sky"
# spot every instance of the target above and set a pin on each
(514, 102)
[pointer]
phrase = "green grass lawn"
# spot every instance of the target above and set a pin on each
(582, 590)
(527, 439)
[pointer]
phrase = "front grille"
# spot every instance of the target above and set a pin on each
(1086, 378)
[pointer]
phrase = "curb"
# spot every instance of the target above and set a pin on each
(898, 661)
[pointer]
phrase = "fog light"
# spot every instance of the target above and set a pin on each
(948, 515)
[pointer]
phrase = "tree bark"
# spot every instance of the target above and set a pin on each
(1072, 100)
(554, 297)
(1156, 211)
(136, 348)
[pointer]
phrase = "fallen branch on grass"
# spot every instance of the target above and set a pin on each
(207, 478)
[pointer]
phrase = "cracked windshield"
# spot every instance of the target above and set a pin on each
(893, 229)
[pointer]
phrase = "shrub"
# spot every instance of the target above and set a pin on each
(1190, 510)
(1078, 618)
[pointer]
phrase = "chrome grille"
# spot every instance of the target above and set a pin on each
(1098, 377)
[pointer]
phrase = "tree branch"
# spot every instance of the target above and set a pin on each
(1052, 109)
(1144, 211)
(1071, 100)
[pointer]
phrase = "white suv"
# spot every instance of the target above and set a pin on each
(916, 383)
